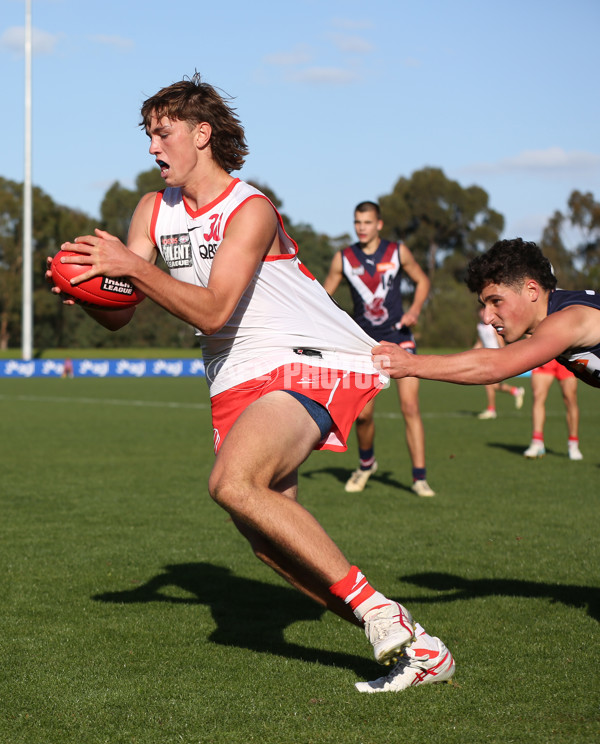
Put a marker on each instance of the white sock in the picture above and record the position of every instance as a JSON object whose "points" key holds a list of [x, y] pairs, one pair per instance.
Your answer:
{"points": [[377, 599]]}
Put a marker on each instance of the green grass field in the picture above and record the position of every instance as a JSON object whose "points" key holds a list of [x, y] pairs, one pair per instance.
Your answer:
{"points": [[133, 612]]}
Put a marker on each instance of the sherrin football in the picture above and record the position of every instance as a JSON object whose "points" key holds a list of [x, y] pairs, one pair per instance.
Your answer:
{"points": [[100, 291]]}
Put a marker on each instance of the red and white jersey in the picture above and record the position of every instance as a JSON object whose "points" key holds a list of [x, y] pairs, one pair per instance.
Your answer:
{"points": [[284, 316]]}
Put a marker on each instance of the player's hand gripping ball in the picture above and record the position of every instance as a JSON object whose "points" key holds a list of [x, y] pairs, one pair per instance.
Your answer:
{"points": [[100, 291]]}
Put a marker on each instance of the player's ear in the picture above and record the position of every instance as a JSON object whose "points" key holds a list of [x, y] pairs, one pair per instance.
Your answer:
{"points": [[379, 225], [533, 289], [202, 134]]}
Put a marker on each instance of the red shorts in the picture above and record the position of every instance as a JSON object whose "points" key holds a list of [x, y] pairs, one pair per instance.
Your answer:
{"points": [[344, 395], [553, 368]]}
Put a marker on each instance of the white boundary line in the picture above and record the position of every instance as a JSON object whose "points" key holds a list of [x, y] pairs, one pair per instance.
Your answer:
{"points": [[206, 406], [105, 401]]}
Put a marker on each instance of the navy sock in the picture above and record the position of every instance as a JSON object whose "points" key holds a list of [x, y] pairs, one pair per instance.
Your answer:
{"points": [[418, 474], [367, 458]]}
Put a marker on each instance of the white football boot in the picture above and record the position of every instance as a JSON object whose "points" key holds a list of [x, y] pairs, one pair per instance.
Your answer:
{"points": [[358, 479], [389, 629], [574, 451], [536, 449], [422, 488], [421, 663]]}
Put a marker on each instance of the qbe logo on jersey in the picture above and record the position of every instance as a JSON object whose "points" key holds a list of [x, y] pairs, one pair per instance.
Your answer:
{"points": [[176, 250]]}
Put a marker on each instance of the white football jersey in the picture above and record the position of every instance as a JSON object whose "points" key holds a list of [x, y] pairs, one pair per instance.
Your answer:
{"points": [[284, 316]]}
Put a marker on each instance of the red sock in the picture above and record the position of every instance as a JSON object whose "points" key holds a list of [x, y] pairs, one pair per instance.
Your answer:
{"points": [[354, 589]]}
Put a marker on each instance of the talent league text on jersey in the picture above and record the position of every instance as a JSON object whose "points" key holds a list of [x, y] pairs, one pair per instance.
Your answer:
{"points": [[584, 363]]}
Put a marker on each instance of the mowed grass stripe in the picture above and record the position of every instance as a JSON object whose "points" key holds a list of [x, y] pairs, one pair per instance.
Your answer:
{"points": [[105, 401]]}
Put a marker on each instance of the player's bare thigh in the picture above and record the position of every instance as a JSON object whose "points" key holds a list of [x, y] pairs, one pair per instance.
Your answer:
{"points": [[267, 443], [367, 413], [540, 385], [408, 394]]}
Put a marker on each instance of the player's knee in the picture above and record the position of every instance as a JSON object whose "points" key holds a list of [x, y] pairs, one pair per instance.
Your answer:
{"points": [[364, 419], [226, 491], [410, 409]]}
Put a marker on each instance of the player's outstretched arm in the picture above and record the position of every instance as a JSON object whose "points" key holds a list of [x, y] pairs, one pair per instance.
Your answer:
{"points": [[554, 335], [473, 367]]}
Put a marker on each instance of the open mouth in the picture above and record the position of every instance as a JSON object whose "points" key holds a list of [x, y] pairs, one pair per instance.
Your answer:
{"points": [[164, 167]]}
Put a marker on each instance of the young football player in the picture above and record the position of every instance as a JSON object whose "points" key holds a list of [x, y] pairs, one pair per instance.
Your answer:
{"points": [[517, 290], [288, 371]]}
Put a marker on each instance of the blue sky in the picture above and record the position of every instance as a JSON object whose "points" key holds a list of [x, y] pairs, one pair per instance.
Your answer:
{"points": [[339, 98]]}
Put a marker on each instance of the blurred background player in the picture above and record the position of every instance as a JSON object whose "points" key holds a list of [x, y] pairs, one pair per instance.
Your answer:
{"points": [[374, 270], [67, 368], [487, 338], [541, 381]]}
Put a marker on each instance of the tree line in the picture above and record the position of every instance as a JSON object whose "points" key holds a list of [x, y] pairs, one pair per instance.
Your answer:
{"points": [[443, 223]]}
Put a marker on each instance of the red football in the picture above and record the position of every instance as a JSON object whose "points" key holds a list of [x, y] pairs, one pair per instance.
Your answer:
{"points": [[100, 291]]}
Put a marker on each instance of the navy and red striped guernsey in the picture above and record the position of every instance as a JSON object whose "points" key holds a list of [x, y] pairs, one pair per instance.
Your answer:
{"points": [[376, 287]]}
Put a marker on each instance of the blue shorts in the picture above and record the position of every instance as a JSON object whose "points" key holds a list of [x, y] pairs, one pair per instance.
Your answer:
{"points": [[401, 336], [318, 413]]}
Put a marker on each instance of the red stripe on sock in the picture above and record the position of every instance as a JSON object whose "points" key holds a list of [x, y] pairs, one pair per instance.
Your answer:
{"points": [[354, 589]]}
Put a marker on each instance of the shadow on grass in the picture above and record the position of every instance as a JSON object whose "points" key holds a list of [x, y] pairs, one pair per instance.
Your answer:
{"points": [[383, 477], [519, 449], [514, 449], [574, 596], [248, 613]]}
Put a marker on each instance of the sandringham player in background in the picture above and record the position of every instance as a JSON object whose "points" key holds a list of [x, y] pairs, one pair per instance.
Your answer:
{"points": [[374, 269]]}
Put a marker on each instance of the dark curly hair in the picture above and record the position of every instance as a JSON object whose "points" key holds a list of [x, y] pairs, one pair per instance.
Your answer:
{"points": [[193, 101], [510, 262]]}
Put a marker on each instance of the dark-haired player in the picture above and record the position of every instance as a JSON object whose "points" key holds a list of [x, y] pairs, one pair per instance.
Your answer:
{"points": [[517, 290]]}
